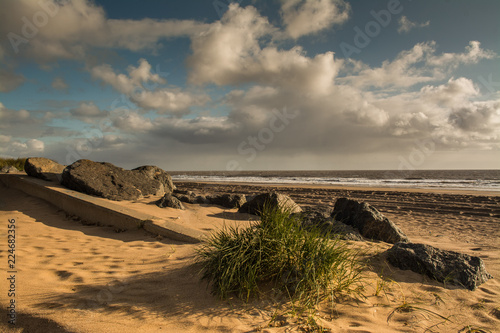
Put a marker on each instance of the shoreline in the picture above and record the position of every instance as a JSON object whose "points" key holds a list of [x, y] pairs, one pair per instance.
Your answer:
{"points": [[451, 191]]}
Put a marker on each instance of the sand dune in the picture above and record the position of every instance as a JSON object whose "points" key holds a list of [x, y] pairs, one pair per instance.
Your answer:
{"points": [[81, 278]]}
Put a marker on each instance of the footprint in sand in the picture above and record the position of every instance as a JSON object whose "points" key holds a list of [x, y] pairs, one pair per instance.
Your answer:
{"points": [[63, 275], [78, 279]]}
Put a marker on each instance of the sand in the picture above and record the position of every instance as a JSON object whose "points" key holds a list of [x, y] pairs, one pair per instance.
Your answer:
{"points": [[73, 277]]}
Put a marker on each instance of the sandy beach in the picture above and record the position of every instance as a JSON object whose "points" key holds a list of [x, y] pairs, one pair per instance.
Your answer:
{"points": [[73, 277]]}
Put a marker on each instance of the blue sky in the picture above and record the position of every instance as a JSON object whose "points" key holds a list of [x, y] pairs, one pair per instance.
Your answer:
{"points": [[252, 85]]}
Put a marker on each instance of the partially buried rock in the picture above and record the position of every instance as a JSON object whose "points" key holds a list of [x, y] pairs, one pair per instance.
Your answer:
{"points": [[168, 200], [273, 200], [369, 221], [320, 218], [9, 169], [111, 182], [228, 200], [43, 168], [444, 266]]}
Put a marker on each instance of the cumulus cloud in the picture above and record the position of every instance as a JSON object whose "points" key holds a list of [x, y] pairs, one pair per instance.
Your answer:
{"points": [[454, 92], [59, 84], [143, 87], [69, 29], [16, 148], [405, 25], [9, 116], [477, 117], [303, 17], [230, 53], [87, 110], [417, 65]]}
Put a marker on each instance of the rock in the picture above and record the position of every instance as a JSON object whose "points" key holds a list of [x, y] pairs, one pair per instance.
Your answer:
{"points": [[274, 199], [168, 200], [321, 218], [9, 169], [43, 168], [158, 174], [441, 265], [185, 198], [228, 200], [201, 199], [111, 182], [369, 221]]}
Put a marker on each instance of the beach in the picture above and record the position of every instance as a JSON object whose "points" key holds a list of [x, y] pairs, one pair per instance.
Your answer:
{"points": [[73, 277]]}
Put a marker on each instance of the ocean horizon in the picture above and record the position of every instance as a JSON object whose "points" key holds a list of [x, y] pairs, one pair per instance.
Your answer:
{"points": [[480, 180]]}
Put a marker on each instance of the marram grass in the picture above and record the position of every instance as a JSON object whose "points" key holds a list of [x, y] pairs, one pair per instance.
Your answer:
{"points": [[15, 162], [305, 264]]}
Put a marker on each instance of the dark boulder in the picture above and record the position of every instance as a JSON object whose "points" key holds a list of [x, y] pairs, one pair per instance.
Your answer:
{"points": [[444, 266], [168, 200], [228, 200], [274, 200], [369, 221], [191, 199], [317, 218], [154, 172], [111, 182], [43, 168]]}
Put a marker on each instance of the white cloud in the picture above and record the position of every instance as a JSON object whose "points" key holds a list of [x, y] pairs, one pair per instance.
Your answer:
{"points": [[473, 54], [454, 92], [482, 117], [59, 84], [303, 17], [410, 67], [230, 53], [9, 116], [405, 25], [87, 110], [142, 86], [35, 145], [69, 29], [5, 138], [17, 148]]}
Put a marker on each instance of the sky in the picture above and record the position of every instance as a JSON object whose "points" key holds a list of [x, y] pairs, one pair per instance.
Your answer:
{"points": [[252, 84]]}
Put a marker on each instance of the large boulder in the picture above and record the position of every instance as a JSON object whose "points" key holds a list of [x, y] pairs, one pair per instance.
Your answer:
{"points": [[228, 200], [369, 221], [274, 200], [111, 182], [154, 172], [168, 200], [444, 266], [318, 218], [43, 168]]}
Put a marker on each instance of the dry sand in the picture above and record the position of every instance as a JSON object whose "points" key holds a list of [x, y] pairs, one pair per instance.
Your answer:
{"points": [[73, 277]]}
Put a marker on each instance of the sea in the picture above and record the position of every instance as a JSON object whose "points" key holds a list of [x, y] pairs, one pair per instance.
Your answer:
{"points": [[476, 180]]}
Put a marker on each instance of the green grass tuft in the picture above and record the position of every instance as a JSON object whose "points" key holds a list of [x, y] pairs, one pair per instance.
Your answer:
{"points": [[15, 162], [305, 264]]}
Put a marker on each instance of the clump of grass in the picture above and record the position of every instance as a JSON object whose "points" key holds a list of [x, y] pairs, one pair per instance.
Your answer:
{"points": [[15, 162], [473, 329], [307, 265]]}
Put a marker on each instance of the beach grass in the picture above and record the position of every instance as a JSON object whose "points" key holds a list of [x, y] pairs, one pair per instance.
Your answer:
{"points": [[306, 265], [15, 162]]}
